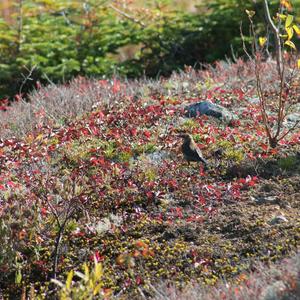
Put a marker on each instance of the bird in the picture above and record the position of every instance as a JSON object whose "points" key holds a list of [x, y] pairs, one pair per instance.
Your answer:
{"points": [[190, 150]]}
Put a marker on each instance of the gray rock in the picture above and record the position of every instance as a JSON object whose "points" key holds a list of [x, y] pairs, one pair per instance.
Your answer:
{"points": [[265, 200], [254, 100], [209, 109], [278, 219], [155, 158], [158, 157]]}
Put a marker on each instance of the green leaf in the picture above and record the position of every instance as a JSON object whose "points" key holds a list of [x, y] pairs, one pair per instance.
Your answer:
{"points": [[250, 13], [290, 32], [18, 278], [297, 29], [288, 21], [98, 270], [262, 40], [284, 36], [290, 44], [281, 16], [69, 279], [97, 289]]}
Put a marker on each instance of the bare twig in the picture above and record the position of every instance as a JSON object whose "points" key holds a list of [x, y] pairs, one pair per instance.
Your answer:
{"points": [[289, 130], [26, 78], [244, 44], [127, 16], [276, 32]]}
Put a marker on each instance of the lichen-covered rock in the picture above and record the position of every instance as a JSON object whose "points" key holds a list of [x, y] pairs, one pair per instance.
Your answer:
{"points": [[209, 109]]}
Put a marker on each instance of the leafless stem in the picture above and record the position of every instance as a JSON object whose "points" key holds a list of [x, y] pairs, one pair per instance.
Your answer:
{"points": [[26, 78], [244, 45], [288, 131], [276, 33]]}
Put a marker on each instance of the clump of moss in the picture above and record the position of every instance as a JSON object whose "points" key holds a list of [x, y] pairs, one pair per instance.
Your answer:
{"points": [[230, 152], [139, 149], [189, 124], [81, 149], [124, 156], [289, 163]]}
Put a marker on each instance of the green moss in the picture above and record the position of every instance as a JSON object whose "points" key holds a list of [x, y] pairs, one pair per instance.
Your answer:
{"points": [[139, 149], [124, 156], [230, 153], [288, 163], [234, 155], [189, 124], [81, 149], [150, 174]]}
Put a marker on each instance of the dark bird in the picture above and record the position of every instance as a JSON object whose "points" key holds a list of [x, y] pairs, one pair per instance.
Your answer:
{"points": [[190, 150]]}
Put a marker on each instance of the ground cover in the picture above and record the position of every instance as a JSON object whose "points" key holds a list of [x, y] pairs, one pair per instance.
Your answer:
{"points": [[93, 169]]}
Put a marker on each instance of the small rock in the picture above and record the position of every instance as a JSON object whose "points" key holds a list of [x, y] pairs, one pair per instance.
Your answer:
{"points": [[265, 200], [158, 157], [209, 109], [278, 219], [254, 100]]}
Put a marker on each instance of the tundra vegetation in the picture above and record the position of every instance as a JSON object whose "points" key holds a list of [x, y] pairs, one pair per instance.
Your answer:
{"points": [[96, 200]]}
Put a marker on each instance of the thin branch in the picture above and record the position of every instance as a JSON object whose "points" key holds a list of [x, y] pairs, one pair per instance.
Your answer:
{"points": [[26, 78], [244, 45], [127, 16], [289, 130], [277, 37], [281, 104]]}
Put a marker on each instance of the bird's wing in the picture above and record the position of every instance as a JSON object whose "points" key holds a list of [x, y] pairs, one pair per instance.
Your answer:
{"points": [[199, 152]]}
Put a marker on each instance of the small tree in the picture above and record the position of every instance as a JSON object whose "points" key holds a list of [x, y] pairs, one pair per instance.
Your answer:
{"points": [[283, 32]]}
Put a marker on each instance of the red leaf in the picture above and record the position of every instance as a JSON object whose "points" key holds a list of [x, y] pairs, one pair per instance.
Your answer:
{"points": [[147, 134], [44, 211], [97, 256], [150, 195], [138, 280], [201, 200], [133, 131], [264, 147]]}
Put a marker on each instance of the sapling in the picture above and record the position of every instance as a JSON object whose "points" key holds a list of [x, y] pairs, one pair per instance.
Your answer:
{"points": [[283, 33]]}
